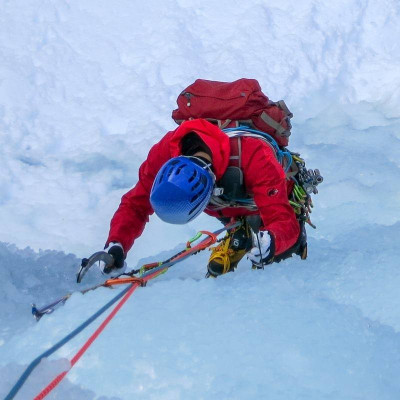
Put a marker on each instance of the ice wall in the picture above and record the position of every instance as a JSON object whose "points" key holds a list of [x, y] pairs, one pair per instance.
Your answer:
{"points": [[87, 87]]}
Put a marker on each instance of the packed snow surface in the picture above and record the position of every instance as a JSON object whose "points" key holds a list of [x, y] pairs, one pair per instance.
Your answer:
{"points": [[86, 88]]}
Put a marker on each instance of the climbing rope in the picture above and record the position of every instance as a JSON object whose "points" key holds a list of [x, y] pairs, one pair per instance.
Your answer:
{"points": [[284, 156], [61, 343], [146, 273]]}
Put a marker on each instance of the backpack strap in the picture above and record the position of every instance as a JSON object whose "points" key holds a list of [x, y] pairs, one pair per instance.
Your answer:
{"points": [[280, 129], [232, 181], [224, 124], [282, 105], [235, 159]]}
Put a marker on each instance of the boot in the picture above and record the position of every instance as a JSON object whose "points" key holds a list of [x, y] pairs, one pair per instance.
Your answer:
{"points": [[226, 256]]}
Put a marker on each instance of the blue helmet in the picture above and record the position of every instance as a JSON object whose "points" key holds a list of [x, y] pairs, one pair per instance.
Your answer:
{"points": [[182, 189]]}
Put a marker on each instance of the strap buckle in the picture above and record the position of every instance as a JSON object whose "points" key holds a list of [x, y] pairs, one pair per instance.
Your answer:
{"points": [[217, 191]]}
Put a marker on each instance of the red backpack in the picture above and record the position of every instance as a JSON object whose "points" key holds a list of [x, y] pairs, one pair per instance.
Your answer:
{"points": [[230, 104]]}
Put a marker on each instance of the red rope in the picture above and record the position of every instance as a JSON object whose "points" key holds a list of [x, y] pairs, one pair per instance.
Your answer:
{"points": [[135, 282], [92, 338]]}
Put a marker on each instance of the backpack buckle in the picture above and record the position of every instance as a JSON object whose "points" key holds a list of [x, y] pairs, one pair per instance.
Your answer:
{"points": [[218, 191]]}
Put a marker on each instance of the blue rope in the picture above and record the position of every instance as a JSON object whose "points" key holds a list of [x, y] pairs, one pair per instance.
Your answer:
{"points": [[280, 154], [61, 343], [15, 389]]}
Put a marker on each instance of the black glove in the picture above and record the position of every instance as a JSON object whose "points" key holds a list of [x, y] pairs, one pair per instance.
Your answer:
{"points": [[117, 251]]}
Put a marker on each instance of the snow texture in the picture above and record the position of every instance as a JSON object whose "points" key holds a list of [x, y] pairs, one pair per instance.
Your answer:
{"points": [[86, 88]]}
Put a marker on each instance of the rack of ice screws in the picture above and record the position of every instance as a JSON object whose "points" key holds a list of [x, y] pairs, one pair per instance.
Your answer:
{"points": [[310, 179], [306, 182]]}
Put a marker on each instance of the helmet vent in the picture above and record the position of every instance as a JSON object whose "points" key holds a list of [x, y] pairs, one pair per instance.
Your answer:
{"points": [[193, 210], [179, 169], [196, 185], [203, 180], [193, 176], [197, 195], [169, 173], [194, 198]]}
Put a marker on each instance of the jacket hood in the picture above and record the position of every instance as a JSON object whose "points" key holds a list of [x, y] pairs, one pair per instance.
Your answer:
{"points": [[216, 140]]}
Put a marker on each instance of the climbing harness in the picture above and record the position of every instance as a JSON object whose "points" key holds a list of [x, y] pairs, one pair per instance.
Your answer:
{"points": [[304, 181]]}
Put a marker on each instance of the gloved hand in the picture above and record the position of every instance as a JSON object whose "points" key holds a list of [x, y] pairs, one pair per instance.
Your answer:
{"points": [[117, 251], [261, 254]]}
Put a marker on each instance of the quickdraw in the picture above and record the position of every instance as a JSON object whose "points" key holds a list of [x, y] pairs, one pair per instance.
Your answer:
{"points": [[305, 183]]}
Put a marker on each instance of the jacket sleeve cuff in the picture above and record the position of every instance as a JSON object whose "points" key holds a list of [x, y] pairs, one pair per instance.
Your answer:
{"points": [[111, 243]]}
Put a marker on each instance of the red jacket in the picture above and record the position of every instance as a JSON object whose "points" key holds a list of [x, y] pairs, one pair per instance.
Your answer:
{"points": [[263, 176]]}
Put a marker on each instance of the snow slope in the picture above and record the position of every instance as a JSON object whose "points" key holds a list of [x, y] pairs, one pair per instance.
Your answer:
{"points": [[86, 88]]}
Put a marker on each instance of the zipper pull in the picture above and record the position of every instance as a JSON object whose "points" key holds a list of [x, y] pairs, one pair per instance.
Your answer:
{"points": [[188, 96]]}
